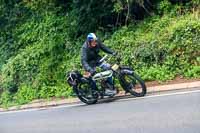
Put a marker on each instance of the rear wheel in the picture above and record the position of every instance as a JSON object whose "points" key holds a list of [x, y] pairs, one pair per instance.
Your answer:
{"points": [[133, 84], [85, 93]]}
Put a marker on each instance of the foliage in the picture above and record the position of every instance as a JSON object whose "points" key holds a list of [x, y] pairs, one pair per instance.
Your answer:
{"points": [[57, 91], [161, 48], [5, 99], [25, 95], [40, 49]]}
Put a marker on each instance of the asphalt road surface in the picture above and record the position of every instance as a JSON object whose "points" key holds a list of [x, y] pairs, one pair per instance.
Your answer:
{"points": [[176, 113]]}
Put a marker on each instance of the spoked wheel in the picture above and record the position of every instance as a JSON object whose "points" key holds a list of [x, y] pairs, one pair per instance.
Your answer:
{"points": [[85, 94], [134, 84]]}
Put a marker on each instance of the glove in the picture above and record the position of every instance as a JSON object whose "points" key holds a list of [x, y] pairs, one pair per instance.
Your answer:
{"points": [[92, 72]]}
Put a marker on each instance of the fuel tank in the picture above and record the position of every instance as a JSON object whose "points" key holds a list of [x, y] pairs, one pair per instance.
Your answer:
{"points": [[103, 75]]}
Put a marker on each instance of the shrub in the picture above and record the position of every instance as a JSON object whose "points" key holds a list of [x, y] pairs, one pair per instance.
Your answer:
{"points": [[161, 48], [25, 94]]}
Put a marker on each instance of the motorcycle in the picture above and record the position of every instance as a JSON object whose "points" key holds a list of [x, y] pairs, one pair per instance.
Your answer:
{"points": [[127, 78]]}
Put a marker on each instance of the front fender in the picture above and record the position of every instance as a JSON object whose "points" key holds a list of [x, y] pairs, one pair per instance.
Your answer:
{"points": [[126, 70]]}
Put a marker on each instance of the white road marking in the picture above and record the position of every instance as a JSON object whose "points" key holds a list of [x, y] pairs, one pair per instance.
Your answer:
{"points": [[161, 95], [75, 105], [42, 108], [26, 110]]}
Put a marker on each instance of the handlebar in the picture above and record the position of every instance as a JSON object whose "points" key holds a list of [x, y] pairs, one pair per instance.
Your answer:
{"points": [[102, 59], [105, 57]]}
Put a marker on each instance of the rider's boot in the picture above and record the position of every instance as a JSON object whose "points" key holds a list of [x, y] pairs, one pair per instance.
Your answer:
{"points": [[110, 90]]}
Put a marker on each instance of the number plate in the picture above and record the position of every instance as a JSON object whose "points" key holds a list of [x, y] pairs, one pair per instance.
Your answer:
{"points": [[115, 67]]}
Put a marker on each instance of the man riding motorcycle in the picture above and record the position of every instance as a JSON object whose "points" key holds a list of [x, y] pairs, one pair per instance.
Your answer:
{"points": [[90, 60]]}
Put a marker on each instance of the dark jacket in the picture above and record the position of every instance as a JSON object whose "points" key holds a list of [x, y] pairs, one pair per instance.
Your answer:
{"points": [[90, 56]]}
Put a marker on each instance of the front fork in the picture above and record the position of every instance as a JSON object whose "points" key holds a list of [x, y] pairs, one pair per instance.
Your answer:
{"points": [[124, 71]]}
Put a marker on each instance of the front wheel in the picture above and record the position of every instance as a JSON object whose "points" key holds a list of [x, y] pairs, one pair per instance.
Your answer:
{"points": [[133, 84]]}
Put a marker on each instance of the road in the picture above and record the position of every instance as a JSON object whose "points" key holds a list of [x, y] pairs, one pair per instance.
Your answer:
{"points": [[171, 113]]}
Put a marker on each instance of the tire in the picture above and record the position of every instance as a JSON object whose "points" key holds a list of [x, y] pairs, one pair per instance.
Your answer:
{"points": [[131, 83], [82, 91]]}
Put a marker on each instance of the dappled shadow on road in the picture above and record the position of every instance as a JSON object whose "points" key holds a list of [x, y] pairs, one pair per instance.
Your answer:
{"points": [[112, 99], [109, 100]]}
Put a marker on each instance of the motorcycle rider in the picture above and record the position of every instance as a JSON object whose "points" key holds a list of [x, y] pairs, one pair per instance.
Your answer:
{"points": [[90, 59]]}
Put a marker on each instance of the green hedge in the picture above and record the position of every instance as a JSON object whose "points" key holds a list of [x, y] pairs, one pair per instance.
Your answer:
{"points": [[161, 48]]}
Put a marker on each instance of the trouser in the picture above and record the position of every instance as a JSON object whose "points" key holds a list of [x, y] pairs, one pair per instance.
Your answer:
{"points": [[104, 66]]}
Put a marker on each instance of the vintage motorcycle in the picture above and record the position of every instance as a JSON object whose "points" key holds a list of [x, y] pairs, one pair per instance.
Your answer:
{"points": [[127, 78]]}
